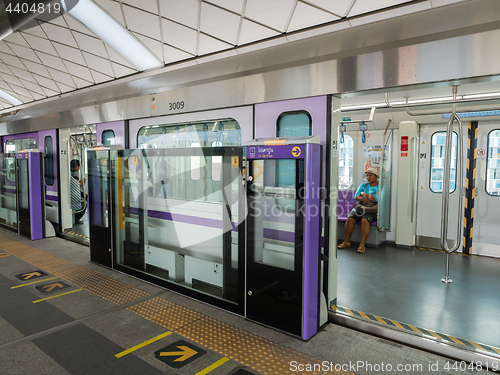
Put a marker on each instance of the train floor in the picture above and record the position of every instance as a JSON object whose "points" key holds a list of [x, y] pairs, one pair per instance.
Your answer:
{"points": [[60, 314], [404, 286], [80, 230]]}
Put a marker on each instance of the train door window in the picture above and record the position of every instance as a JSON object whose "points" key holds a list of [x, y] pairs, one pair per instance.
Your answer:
{"points": [[294, 124], [493, 166], [49, 161], [290, 124], [346, 152], [438, 149], [108, 137]]}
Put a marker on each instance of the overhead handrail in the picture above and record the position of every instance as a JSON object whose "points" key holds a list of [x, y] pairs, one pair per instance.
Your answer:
{"points": [[428, 102], [382, 173], [446, 187]]}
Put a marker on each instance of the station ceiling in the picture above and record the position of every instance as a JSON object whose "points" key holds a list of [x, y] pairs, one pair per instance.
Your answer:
{"points": [[57, 55]]}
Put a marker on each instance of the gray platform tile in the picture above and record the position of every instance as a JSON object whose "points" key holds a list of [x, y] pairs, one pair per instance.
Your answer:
{"points": [[8, 333], [125, 328], [27, 358], [80, 350], [81, 304], [371, 350], [12, 265], [328, 343], [18, 309]]}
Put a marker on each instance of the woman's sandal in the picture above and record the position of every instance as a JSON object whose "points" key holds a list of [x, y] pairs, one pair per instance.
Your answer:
{"points": [[361, 249], [344, 245]]}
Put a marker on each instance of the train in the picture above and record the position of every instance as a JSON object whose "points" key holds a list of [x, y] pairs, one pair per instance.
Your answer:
{"points": [[364, 115]]}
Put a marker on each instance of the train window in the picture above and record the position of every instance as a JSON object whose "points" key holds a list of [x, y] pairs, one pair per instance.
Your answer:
{"points": [[195, 164], [290, 124], [346, 152], [221, 132], [10, 146], [108, 137], [294, 124], [438, 148], [49, 161], [15, 145], [493, 166], [10, 168]]}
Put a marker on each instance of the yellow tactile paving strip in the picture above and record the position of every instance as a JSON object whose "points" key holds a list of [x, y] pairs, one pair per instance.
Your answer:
{"points": [[207, 331], [251, 350], [102, 286], [174, 317]]}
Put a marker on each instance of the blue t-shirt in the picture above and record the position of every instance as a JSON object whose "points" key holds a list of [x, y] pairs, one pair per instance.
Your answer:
{"points": [[368, 190]]}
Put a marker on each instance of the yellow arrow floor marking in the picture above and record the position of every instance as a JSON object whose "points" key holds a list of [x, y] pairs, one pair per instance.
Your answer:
{"points": [[4, 255], [34, 282], [59, 295], [51, 287], [125, 352], [213, 366], [31, 274], [186, 353]]}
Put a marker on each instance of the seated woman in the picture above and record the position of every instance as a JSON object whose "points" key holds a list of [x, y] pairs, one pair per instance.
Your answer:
{"points": [[367, 192], [77, 198]]}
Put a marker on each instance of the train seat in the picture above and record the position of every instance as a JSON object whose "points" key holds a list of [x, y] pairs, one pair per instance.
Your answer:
{"points": [[346, 203]]}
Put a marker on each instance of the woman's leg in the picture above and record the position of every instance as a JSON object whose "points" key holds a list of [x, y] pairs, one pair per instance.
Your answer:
{"points": [[365, 231], [349, 228]]}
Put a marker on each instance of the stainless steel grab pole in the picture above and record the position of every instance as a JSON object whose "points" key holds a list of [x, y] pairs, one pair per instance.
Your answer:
{"points": [[381, 175], [446, 187]]}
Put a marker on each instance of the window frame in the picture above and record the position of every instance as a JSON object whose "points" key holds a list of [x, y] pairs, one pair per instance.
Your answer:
{"points": [[430, 163], [352, 175], [50, 159], [487, 162], [105, 132], [289, 113]]}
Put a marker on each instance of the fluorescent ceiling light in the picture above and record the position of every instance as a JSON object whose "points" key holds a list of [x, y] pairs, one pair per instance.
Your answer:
{"points": [[101, 24], [418, 101], [10, 98]]}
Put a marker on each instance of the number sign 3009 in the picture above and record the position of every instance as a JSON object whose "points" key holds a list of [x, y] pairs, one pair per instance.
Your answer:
{"points": [[175, 105]]}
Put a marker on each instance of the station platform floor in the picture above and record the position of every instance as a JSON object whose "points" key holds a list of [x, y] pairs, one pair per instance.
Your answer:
{"points": [[61, 314]]}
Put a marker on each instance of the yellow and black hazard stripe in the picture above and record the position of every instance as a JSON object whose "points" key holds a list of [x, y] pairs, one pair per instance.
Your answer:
{"points": [[470, 188], [76, 234], [467, 255], [420, 331]]}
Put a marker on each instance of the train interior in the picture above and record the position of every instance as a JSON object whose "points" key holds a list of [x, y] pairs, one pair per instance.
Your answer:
{"points": [[74, 212], [403, 284]]}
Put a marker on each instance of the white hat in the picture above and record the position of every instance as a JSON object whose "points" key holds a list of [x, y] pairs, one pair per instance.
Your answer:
{"points": [[372, 170]]}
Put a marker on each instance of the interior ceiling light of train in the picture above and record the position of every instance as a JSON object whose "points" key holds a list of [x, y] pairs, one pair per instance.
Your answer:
{"points": [[62, 51], [485, 105]]}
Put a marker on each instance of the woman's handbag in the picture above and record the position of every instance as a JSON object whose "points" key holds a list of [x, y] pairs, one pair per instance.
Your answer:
{"points": [[366, 207]]}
